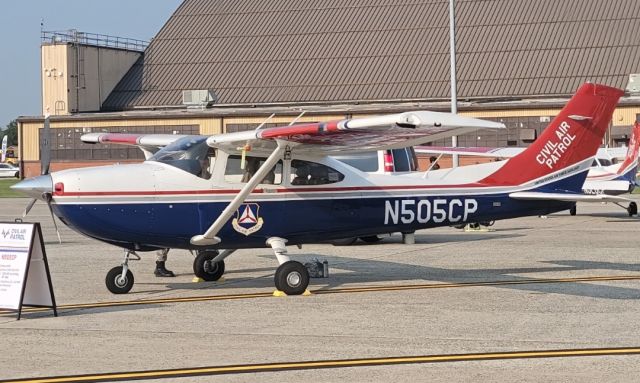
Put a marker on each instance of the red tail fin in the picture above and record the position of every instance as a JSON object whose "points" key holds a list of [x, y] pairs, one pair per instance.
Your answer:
{"points": [[632, 152], [573, 136]]}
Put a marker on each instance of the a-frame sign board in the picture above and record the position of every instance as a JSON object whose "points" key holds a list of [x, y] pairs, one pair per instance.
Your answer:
{"points": [[24, 272]]}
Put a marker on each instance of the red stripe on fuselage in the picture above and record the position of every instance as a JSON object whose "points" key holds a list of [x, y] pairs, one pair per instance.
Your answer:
{"points": [[268, 191]]}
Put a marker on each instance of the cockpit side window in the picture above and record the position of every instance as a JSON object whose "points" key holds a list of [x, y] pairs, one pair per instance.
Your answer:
{"points": [[311, 173], [206, 164], [235, 173], [190, 154]]}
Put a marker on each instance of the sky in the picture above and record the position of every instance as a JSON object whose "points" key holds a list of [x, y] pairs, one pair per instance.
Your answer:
{"points": [[20, 25]]}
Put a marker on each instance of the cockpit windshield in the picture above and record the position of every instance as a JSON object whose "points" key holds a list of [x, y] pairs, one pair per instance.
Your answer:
{"points": [[191, 154]]}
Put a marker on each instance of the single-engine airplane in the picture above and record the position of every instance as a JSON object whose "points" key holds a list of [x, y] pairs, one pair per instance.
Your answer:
{"points": [[274, 187], [602, 180]]}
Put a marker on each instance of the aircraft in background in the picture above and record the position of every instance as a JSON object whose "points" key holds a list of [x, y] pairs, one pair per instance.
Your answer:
{"points": [[604, 178], [274, 187]]}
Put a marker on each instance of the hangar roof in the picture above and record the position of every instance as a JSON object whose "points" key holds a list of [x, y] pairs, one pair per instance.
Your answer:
{"points": [[256, 52]]}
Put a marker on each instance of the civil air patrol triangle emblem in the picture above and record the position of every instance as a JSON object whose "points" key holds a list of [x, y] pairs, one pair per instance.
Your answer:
{"points": [[247, 220]]}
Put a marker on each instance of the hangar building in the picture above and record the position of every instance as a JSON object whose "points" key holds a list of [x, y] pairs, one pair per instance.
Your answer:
{"points": [[223, 66]]}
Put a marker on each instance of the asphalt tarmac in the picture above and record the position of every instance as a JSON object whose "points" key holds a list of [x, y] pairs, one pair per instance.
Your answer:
{"points": [[555, 299]]}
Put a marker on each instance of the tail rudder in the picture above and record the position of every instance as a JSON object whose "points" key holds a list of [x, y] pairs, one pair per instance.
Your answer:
{"points": [[631, 159], [572, 137]]}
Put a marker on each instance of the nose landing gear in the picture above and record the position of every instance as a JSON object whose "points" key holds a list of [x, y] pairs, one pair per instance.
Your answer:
{"points": [[120, 280]]}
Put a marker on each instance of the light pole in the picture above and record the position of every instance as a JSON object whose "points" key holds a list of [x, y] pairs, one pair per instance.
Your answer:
{"points": [[452, 55]]}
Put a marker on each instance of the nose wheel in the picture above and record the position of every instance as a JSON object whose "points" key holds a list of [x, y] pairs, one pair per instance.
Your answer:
{"points": [[117, 283], [119, 280]]}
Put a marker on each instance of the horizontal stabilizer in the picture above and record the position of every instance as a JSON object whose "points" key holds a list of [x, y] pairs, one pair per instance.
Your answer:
{"points": [[567, 197]]}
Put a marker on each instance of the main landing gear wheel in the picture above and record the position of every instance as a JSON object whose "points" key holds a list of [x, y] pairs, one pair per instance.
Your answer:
{"points": [[371, 239], [344, 242], [632, 209], [205, 269], [292, 278], [116, 284], [573, 210]]}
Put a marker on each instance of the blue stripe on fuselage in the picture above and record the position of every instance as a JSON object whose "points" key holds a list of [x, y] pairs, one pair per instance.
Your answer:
{"points": [[299, 221]]}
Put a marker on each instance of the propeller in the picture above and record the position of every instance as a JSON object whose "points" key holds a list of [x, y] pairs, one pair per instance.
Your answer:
{"points": [[47, 198], [45, 161]]}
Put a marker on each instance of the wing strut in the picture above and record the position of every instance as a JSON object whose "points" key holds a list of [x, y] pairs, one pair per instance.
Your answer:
{"points": [[209, 236]]}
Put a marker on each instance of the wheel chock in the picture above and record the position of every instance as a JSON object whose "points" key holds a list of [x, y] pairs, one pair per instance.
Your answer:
{"points": [[279, 293], [477, 229], [198, 280]]}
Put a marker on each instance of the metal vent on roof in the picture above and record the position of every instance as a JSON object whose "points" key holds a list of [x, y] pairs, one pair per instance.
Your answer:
{"points": [[199, 97], [633, 86]]}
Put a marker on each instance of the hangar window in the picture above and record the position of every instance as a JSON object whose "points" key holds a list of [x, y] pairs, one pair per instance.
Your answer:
{"points": [[311, 173], [236, 173]]}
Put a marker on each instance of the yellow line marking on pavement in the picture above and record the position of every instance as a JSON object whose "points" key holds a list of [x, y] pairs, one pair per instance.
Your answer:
{"points": [[340, 363], [346, 290]]}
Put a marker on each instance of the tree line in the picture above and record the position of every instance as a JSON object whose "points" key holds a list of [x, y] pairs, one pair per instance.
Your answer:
{"points": [[10, 130]]}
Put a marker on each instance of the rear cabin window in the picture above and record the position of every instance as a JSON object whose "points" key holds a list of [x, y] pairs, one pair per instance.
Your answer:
{"points": [[366, 162], [234, 173], [401, 160], [603, 162], [311, 173]]}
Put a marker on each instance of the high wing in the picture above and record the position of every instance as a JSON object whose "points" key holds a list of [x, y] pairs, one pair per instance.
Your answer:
{"points": [[481, 151], [356, 135], [148, 143], [568, 197], [325, 138]]}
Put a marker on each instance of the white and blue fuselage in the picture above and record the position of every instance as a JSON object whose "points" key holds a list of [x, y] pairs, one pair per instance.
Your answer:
{"points": [[156, 205]]}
